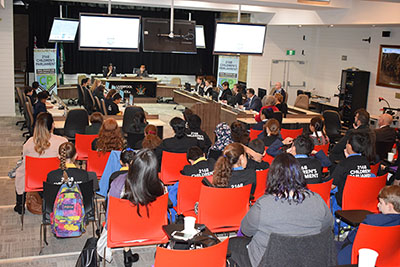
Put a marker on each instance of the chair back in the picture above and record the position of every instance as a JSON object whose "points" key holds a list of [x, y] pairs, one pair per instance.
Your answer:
{"points": [[261, 185], [222, 209], [268, 158], [126, 228], [50, 192], [19, 98], [133, 139], [254, 134], [129, 113], [36, 170], [375, 168], [103, 107], [188, 194], [88, 199], [291, 133], [176, 81], [333, 124], [76, 122], [81, 95], [382, 239], [214, 256], [278, 116], [28, 114], [324, 148], [97, 162], [171, 166], [83, 144], [302, 101], [362, 193], [98, 105], [322, 189], [383, 148]]}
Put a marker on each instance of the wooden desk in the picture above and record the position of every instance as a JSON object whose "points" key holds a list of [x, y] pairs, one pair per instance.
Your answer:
{"points": [[139, 87], [296, 110], [287, 123], [68, 91]]}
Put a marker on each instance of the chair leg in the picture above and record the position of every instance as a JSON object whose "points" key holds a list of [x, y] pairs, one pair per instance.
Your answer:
{"points": [[93, 228], [41, 238], [104, 258], [45, 234], [339, 230], [23, 213]]}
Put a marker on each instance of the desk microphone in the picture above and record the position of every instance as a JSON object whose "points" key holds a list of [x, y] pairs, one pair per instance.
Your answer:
{"points": [[389, 108]]}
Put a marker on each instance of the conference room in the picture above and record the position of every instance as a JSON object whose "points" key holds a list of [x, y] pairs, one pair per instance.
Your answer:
{"points": [[226, 76]]}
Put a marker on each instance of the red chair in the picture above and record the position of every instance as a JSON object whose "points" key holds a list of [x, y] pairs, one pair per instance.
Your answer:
{"points": [[127, 229], [188, 194], [254, 134], [323, 189], [291, 133], [171, 166], [222, 209], [261, 184], [324, 148], [375, 168], [36, 170], [97, 162], [382, 239], [214, 256], [268, 158], [83, 144]]}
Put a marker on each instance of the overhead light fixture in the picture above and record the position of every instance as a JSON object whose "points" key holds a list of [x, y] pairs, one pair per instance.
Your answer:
{"points": [[315, 2]]}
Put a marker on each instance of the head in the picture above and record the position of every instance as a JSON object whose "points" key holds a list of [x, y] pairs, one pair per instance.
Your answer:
{"points": [[389, 200], [361, 117], [286, 180], [278, 85], [239, 133], [250, 92], [66, 153], [142, 185], [110, 67], [199, 79], [117, 98], [236, 88], [142, 68], [208, 82], [187, 113], [138, 120], [193, 154], [257, 146], [268, 100], [150, 129], [111, 93], [266, 114], [96, 118], [222, 135], [179, 126], [225, 85], [85, 81], [232, 156], [302, 145], [151, 141], [95, 84], [35, 85], [385, 120], [279, 98], [41, 135], [28, 90], [42, 96], [272, 127], [110, 137], [194, 122], [360, 143], [317, 124], [126, 156]]}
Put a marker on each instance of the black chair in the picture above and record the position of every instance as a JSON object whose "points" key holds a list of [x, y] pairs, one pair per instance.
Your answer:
{"points": [[278, 116], [383, 148], [29, 120], [133, 139], [81, 96], [103, 107], [18, 93], [311, 250], [333, 125], [98, 105], [128, 117], [76, 122]]}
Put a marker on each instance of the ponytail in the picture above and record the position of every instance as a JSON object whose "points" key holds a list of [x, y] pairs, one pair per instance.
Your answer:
{"points": [[223, 166], [66, 151]]}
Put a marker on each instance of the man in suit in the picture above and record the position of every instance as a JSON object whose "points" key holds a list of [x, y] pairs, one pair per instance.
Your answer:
{"points": [[253, 102], [385, 135], [278, 89], [142, 72]]}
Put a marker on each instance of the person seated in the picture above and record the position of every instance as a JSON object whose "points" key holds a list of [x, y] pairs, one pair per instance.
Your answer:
{"points": [[256, 162], [68, 171], [237, 96], [141, 72], [271, 132], [109, 97], [239, 133], [40, 105], [253, 102], [265, 115], [96, 120], [278, 89], [194, 130], [99, 92], [208, 87], [29, 93], [385, 135], [268, 102], [35, 87], [226, 92], [125, 159], [230, 169], [389, 208], [282, 106], [199, 165], [311, 165], [279, 146], [110, 137], [135, 129], [110, 71], [113, 109], [287, 207], [96, 83], [222, 139], [151, 140], [200, 84], [317, 129]]}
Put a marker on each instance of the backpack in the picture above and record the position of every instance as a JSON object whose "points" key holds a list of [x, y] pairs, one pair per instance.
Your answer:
{"points": [[67, 218]]}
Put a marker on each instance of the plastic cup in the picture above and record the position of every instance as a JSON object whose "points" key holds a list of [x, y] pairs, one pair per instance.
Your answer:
{"points": [[367, 257], [390, 156], [189, 223]]}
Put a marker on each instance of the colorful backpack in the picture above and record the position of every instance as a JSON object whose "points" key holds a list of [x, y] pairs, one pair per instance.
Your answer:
{"points": [[67, 218]]}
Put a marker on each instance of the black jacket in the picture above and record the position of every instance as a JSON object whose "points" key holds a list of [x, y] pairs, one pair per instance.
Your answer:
{"points": [[225, 93], [112, 109], [202, 138], [80, 176], [200, 169], [244, 177], [312, 170]]}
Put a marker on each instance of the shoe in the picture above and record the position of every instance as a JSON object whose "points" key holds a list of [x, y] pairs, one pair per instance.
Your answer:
{"points": [[130, 258], [18, 208]]}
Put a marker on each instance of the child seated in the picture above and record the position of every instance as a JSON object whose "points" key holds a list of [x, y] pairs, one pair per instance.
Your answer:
{"points": [[389, 206], [124, 159], [265, 114], [254, 162], [199, 165], [271, 132]]}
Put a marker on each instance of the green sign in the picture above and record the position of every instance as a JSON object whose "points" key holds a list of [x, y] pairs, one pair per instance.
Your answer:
{"points": [[290, 52]]}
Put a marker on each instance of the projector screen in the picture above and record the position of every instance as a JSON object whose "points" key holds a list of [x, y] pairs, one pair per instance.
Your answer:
{"points": [[239, 38], [109, 32], [63, 30], [200, 39]]}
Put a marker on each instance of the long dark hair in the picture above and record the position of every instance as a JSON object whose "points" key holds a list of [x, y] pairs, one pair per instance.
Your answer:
{"points": [[286, 180], [138, 120], [223, 166], [142, 185], [318, 123], [179, 126], [239, 133], [361, 143]]}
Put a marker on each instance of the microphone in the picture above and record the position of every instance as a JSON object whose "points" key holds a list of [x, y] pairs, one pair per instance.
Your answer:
{"points": [[384, 109]]}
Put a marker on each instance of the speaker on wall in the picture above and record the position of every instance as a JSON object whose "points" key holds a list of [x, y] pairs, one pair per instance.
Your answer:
{"points": [[385, 33]]}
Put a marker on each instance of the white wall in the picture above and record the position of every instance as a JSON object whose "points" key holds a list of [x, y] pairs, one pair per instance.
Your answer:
{"points": [[7, 106]]}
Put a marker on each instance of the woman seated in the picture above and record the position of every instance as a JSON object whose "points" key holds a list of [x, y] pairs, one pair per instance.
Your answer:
{"points": [[151, 140], [317, 129], [226, 92], [208, 87], [96, 83], [271, 132], [282, 106], [239, 133], [238, 93], [68, 172], [43, 144], [99, 91], [96, 120], [268, 102], [110, 137], [287, 207], [222, 139], [230, 169]]}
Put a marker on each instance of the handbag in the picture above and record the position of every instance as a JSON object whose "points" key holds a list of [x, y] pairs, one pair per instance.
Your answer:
{"points": [[88, 256], [34, 202]]}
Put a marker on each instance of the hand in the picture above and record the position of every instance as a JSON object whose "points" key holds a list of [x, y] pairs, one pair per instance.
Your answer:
{"points": [[287, 141], [355, 126], [314, 152]]}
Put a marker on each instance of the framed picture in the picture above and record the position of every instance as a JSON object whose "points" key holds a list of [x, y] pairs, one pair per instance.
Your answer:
{"points": [[389, 66]]}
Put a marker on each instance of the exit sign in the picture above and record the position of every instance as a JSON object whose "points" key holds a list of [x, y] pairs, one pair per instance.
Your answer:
{"points": [[290, 52]]}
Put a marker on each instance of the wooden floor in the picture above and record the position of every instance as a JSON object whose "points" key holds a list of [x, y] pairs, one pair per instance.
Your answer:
{"points": [[21, 248]]}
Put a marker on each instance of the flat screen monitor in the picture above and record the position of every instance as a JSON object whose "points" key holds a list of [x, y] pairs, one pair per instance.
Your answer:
{"points": [[200, 39], [157, 36], [109, 32], [63, 30], [239, 38]]}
